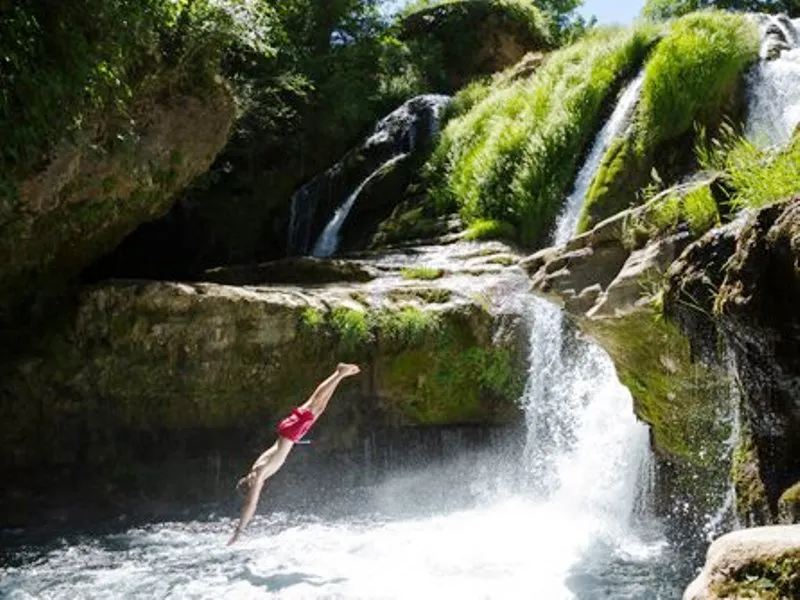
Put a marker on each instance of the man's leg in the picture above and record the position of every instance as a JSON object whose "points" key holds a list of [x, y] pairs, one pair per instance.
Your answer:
{"points": [[318, 401]]}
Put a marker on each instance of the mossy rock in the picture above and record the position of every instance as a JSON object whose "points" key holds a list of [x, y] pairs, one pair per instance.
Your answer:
{"points": [[681, 400], [773, 578], [752, 506], [154, 361], [300, 270], [789, 505], [88, 197]]}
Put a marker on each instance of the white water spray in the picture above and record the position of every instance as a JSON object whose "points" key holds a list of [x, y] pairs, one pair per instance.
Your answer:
{"points": [[774, 84]]}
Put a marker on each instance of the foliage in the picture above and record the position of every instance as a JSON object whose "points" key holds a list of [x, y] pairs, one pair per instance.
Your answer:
{"points": [[665, 214], [756, 176], [564, 23], [691, 69], [513, 156], [69, 65], [356, 331], [427, 273], [668, 9]]}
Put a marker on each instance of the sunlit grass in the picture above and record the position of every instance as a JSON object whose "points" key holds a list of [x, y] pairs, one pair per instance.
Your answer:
{"points": [[694, 75], [692, 70], [756, 176], [487, 229], [513, 156]]}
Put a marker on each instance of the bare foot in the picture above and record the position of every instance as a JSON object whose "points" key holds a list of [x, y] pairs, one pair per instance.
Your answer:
{"points": [[346, 370]]}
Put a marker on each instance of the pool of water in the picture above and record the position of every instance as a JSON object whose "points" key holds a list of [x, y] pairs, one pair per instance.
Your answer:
{"points": [[510, 546]]}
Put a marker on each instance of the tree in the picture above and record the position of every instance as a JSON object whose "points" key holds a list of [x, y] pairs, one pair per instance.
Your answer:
{"points": [[666, 9]]}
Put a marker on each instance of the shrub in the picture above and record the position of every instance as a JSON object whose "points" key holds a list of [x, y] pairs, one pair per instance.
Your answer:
{"points": [[487, 229]]}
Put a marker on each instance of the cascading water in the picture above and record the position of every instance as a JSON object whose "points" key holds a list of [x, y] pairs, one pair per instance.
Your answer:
{"points": [[398, 134], [585, 448], [774, 84], [555, 525], [329, 238]]}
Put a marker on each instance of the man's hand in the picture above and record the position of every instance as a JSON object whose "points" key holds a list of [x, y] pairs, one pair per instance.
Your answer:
{"points": [[347, 370]]}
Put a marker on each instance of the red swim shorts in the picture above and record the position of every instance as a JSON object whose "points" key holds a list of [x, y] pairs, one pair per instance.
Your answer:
{"points": [[297, 424]]}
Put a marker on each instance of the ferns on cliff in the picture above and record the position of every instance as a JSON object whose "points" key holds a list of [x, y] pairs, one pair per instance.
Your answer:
{"points": [[513, 156]]}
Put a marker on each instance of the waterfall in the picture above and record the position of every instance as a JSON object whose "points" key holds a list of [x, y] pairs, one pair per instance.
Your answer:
{"points": [[400, 133], [329, 238], [773, 84], [585, 450], [615, 125]]}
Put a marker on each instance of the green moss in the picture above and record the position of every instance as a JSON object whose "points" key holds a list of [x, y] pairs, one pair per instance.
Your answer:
{"points": [[419, 222], [426, 273], [775, 578], [680, 400], [513, 156], [693, 75], [489, 229], [312, 318], [352, 328], [453, 382], [752, 506]]}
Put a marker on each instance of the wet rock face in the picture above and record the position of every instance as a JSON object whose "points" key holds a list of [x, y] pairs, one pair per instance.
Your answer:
{"points": [[761, 562], [86, 199], [757, 307], [400, 135], [738, 288]]}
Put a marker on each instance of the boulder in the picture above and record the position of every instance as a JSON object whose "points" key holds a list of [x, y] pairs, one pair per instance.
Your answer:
{"points": [[762, 562], [142, 372], [304, 269], [89, 196]]}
